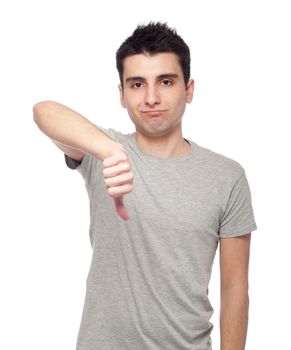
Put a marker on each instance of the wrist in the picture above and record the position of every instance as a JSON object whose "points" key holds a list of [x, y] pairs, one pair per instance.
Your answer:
{"points": [[108, 149]]}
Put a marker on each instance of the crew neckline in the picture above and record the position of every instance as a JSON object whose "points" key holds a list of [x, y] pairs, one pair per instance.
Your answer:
{"points": [[152, 157]]}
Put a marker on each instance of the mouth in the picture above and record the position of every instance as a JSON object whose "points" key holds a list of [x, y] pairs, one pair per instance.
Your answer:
{"points": [[153, 112]]}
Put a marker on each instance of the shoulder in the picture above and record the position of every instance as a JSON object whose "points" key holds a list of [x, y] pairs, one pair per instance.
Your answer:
{"points": [[218, 165]]}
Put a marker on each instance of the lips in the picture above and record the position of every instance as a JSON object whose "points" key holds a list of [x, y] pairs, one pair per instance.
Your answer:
{"points": [[154, 112]]}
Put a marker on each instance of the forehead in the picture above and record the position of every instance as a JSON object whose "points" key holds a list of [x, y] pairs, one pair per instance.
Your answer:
{"points": [[148, 66]]}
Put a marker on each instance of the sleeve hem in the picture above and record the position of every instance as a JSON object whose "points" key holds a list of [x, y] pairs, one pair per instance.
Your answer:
{"points": [[72, 163], [239, 232]]}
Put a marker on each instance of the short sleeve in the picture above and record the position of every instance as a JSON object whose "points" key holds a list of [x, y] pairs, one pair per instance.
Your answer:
{"points": [[238, 217], [72, 163], [84, 167]]}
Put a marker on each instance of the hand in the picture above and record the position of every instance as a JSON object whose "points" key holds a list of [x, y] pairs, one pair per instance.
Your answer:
{"points": [[118, 179]]}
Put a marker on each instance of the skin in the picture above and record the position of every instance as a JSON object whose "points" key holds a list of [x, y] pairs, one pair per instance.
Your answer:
{"points": [[234, 263], [155, 102], [118, 179], [155, 96]]}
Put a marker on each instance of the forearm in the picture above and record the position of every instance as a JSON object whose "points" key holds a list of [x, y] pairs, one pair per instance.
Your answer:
{"points": [[234, 318], [68, 127]]}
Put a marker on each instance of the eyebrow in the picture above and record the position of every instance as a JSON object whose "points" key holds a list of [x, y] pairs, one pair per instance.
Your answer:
{"points": [[162, 76]]}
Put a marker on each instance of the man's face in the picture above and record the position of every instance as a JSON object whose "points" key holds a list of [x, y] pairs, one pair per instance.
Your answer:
{"points": [[154, 93]]}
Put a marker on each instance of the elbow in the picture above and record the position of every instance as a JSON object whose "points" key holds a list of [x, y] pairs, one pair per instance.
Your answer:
{"points": [[40, 110]]}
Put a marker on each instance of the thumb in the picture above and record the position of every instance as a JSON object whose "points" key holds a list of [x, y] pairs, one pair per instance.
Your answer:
{"points": [[120, 208]]}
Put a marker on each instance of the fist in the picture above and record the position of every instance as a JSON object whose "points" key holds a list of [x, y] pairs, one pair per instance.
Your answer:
{"points": [[118, 179]]}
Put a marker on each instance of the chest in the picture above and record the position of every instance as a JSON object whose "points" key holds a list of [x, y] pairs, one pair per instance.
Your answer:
{"points": [[182, 199]]}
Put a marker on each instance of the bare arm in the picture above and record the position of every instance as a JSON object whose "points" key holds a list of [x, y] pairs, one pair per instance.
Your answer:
{"points": [[72, 132], [76, 135], [234, 261]]}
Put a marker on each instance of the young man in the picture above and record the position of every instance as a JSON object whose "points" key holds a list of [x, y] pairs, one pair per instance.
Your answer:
{"points": [[160, 204]]}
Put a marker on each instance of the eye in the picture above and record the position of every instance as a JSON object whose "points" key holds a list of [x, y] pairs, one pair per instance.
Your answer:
{"points": [[136, 85], [167, 82]]}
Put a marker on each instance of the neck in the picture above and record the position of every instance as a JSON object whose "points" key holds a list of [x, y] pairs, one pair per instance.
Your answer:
{"points": [[166, 146]]}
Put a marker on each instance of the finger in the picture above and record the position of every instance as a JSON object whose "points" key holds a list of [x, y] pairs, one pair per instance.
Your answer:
{"points": [[116, 170], [120, 208], [119, 191], [119, 180]]}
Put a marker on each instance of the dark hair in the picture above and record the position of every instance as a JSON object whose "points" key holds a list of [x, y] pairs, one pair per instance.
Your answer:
{"points": [[151, 39]]}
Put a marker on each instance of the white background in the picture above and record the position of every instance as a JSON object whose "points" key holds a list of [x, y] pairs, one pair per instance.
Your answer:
{"points": [[65, 51]]}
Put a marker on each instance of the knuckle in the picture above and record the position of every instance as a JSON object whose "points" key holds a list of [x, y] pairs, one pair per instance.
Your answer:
{"points": [[111, 191], [116, 192], [129, 188], [126, 166], [128, 179]]}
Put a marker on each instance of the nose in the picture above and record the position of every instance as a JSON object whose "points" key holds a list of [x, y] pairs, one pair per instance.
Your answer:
{"points": [[152, 96]]}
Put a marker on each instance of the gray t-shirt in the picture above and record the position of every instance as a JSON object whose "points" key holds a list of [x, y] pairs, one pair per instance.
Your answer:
{"points": [[147, 287]]}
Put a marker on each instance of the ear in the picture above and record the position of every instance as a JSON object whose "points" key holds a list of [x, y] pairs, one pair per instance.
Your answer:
{"points": [[122, 99], [190, 90]]}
